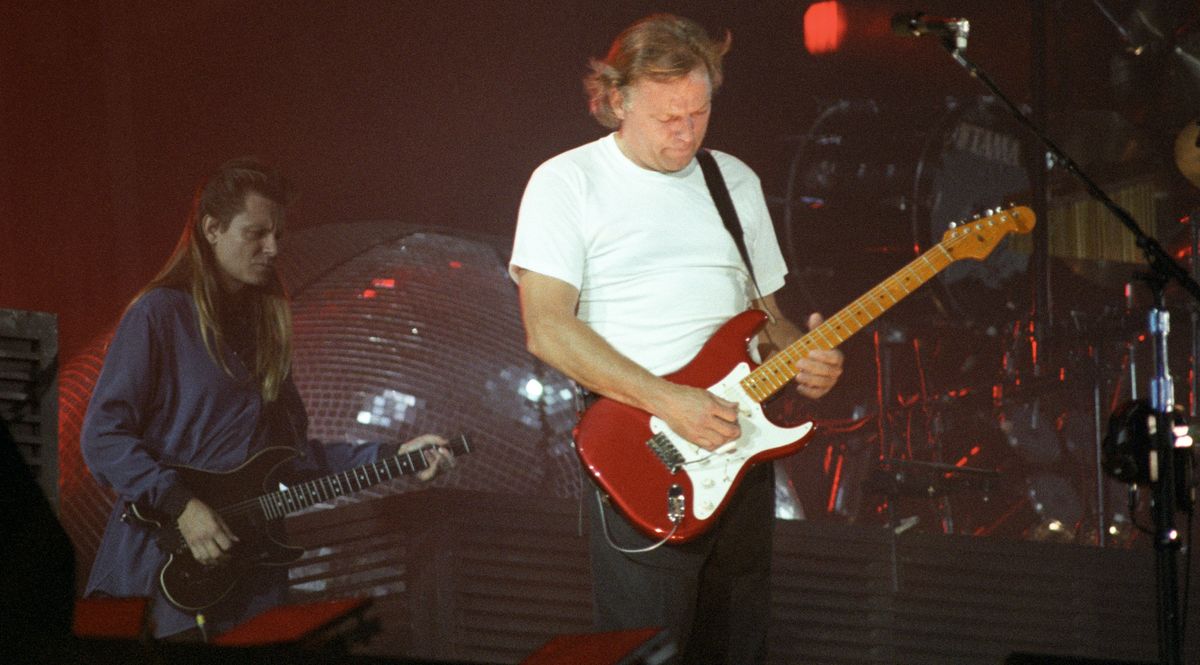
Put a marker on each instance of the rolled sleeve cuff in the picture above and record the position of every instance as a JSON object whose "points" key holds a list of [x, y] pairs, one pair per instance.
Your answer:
{"points": [[174, 500]]}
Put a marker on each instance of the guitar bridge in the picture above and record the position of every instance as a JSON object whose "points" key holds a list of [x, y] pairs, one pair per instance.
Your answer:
{"points": [[665, 451]]}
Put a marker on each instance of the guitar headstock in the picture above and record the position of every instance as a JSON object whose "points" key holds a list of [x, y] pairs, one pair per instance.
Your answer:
{"points": [[975, 239]]}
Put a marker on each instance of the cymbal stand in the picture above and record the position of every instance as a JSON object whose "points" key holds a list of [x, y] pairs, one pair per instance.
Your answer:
{"points": [[1131, 346], [1166, 538], [931, 424], [1163, 268], [1194, 387], [1097, 444], [883, 394]]}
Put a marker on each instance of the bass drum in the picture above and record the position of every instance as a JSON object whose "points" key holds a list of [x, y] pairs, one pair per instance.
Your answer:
{"points": [[1022, 503], [848, 183], [865, 180], [975, 160]]}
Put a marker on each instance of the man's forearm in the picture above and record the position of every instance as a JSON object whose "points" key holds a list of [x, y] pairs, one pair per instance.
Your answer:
{"points": [[574, 349]]}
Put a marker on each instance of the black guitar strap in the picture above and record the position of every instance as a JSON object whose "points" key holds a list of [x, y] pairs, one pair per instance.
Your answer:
{"points": [[720, 196]]}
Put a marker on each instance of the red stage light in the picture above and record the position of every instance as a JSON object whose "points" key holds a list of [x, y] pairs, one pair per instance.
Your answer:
{"points": [[383, 283], [456, 264], [824, 27], [368, 293]]}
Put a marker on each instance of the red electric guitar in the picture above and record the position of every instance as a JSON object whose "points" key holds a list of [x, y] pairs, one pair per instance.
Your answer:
{"points": [[672, 489]]}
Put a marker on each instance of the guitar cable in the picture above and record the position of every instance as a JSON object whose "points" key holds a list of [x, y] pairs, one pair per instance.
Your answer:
{"points": [[631, 550], [200, 625]]}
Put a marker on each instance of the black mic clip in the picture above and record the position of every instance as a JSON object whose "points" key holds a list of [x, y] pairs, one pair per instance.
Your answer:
{"points": [[954, 31]]}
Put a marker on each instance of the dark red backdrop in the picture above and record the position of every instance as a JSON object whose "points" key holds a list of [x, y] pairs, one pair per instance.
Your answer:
{"points": [[427, 112]]}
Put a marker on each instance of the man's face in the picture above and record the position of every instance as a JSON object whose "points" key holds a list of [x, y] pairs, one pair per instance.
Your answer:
{"points": [[245, 250], [663, 122]]}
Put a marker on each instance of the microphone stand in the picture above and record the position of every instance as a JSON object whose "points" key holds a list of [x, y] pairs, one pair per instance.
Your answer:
{"points": [[1163, 269]]}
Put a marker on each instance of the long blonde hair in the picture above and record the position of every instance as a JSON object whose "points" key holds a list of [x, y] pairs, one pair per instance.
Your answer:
{"points": [[192, 268]]}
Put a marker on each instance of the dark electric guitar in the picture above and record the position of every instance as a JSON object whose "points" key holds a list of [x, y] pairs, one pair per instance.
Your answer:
{"points": [[671, 489], [256, 519]]}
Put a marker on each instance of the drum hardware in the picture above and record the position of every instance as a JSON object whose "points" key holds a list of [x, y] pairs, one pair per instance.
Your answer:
{"points": [[1036, 433], [901, 477], [895, 478], [1052, 423], [913, 426], [1030, 430]]}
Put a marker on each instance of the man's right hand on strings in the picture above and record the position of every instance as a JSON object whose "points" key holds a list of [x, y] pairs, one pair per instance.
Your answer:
{"points": [[699, 416]]}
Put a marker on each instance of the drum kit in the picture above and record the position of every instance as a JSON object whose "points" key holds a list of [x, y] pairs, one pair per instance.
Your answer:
{"points": [[1012, 454], [990, 417]]}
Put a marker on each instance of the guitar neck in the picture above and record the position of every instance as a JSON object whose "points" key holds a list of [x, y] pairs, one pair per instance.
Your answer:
{"points": [[276, 505], [772, 375]]}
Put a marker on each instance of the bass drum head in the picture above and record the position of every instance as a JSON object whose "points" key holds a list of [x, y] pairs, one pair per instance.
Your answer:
{"points": [[855, 158], [973, 161], [848, 185], [870, 187]]}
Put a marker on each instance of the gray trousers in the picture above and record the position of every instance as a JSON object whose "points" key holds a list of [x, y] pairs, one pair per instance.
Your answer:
{"points": [[712, 594]]}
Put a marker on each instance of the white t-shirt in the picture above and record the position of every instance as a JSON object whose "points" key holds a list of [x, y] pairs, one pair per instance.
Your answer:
{"points": [[657, 271]]}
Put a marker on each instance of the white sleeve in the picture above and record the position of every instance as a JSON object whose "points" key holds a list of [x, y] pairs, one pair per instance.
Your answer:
{"points": [[769, 266], [549, 237], [770, 269]]}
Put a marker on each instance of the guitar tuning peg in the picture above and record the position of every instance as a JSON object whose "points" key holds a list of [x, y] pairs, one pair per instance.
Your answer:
{"points": [[953, 225], [989, 212]]}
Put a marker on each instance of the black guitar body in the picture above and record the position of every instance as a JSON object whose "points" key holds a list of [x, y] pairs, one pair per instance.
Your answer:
{"points": [[192, 586], [254, 508]]}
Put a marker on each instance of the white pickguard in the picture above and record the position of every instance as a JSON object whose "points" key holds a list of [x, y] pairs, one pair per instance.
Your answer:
{"points": [[712, 473]]}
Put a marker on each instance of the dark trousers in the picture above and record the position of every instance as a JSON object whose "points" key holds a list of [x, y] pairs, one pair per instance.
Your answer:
{"points": [[712, 594]]}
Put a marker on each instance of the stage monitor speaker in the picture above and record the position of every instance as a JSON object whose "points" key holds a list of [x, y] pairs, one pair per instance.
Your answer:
{"points": [[29, 392], [111, 618], [644, 646], [1046, 659], [336, 623]]}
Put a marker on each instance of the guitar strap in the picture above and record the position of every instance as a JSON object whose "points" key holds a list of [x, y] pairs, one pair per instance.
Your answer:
{"points": [[720, 196]]}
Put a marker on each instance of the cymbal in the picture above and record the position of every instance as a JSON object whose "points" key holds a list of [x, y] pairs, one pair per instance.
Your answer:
{"points": [[1187, 153]]}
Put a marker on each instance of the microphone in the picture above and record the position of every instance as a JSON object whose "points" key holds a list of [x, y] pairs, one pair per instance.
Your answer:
{"points": [[916, 24]]}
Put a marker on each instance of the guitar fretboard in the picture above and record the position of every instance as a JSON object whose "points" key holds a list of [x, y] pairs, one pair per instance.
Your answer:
{"points": [[276, 505], [983, 234]]}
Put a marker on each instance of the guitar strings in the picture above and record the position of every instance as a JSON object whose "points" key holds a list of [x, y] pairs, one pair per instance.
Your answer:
{"points": [[298, 496]]}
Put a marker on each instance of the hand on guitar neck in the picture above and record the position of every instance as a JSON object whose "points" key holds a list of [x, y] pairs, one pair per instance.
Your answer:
{"points": [[436, 452], [816, 372]]}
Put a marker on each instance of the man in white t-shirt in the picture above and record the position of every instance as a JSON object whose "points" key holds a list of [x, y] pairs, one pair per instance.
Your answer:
{"points": [[625, 270]]}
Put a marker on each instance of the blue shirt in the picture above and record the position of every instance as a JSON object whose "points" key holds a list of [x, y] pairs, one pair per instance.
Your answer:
{"points": [[161, 399]]}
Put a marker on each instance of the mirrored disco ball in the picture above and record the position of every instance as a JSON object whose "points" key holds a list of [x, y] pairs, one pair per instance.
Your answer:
{"points": [[84, 504], [401, 330]]}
